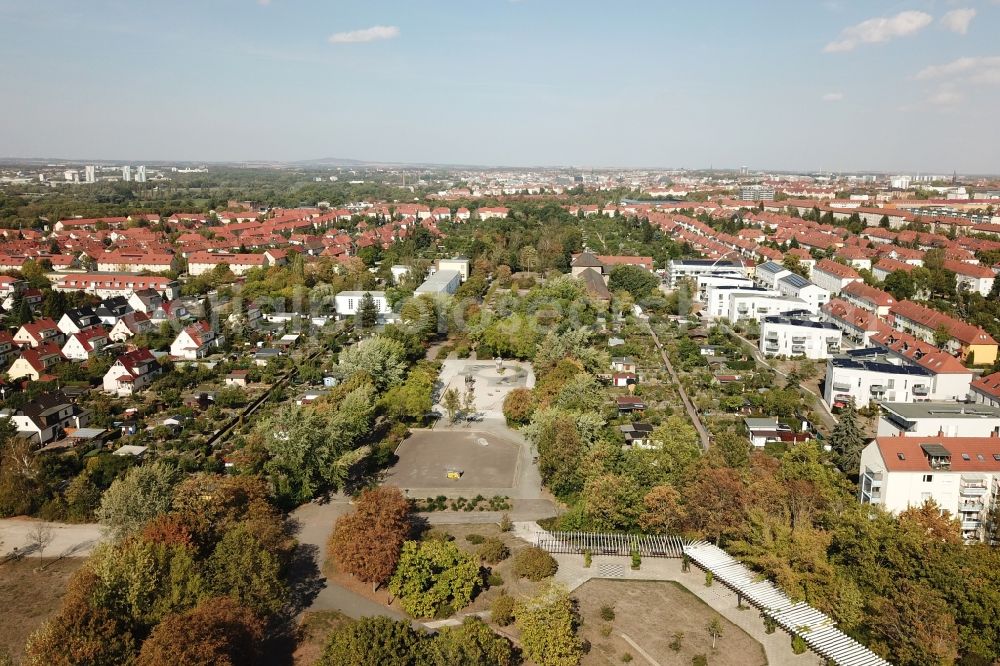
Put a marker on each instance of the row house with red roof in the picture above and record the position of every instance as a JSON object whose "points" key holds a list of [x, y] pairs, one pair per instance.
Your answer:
{"points": [[966, 340], [833, 276], [971, 277], [138, 262], [106, 285], [200, 263]]}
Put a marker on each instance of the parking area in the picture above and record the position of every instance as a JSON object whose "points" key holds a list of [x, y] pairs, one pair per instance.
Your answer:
{"points": [[485, 460]]}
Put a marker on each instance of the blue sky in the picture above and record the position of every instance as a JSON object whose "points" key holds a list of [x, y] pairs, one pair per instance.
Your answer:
{"points": [[779, 84]]}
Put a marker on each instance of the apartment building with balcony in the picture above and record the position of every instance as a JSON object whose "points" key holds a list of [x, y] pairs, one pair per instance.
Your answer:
{"points": [[768, 274], [690, 269], [793, 336], [960, 474], [718, 296], [867, 378], [758, 306], [944, 419], [706, 282], [796, 286], [834, 276]]}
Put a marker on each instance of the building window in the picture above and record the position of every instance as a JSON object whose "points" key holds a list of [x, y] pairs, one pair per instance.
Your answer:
{"points": [[928, 478]]}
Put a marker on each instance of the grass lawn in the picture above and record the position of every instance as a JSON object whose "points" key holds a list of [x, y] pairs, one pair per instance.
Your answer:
{"points": [[314, 629], [30, 592], [651, 613]]}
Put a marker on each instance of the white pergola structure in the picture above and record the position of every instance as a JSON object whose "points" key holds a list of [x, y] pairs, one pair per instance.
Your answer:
{"points": [[817, 629]]}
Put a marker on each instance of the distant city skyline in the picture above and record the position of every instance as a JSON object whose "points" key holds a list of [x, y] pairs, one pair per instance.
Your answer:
{"points": [[841, 85]]}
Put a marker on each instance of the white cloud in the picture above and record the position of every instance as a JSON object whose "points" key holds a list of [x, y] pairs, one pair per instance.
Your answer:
{"points": [[833, 97], [372, 34], [880, 29], [946, 98], [958, 20], [980, 69]]}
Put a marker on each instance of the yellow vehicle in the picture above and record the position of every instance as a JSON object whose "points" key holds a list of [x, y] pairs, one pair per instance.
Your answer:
{"points": [[454, 474]]}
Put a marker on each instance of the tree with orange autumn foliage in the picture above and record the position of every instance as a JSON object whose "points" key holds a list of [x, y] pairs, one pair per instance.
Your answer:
{"points": [[366, 543]]}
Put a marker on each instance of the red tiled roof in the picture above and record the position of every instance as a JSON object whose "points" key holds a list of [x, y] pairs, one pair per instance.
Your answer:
{"points": [[833, 268], [965, 333], [904, 454]]}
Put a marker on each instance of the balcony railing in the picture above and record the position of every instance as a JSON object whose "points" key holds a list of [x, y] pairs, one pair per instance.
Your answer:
{"points": [[920, 389], [841, 386]]}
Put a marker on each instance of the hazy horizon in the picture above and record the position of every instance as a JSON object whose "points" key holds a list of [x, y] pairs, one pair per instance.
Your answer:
{"points": [[838, 86]]}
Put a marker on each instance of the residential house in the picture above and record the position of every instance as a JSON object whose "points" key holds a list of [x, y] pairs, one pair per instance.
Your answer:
{"points": [[237, 378], [78, 319], [967, 341], [834, 276], [43, 419], [195, 341], [132, 372], [110, 310], [39, 332], [348, 303], [133, 323], [36, 362], [986, 390], [84, 345]]}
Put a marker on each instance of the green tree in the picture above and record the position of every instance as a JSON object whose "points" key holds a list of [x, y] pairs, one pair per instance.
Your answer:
{"points": [[373, 641], [434, 575], [243, 568], [473, 642], [367, 312], [548, 624], [382, 359], [452, 403], [847, 440], [635, 280], [132, 500]]}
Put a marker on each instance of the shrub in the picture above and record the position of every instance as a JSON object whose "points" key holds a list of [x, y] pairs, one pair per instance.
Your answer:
{"points": [[437, 534], [799, 644], [506, 524], [708, 579], [494, 580], [699, 660], [587, 559], [503, 610], [769, 625], [636, 560], [675, 643], [606, 630], [534, 564], [607, 613], [475, 539], [493, 550], [627, 657]]}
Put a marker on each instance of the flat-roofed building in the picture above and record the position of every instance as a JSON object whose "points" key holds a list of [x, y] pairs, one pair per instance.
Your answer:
{"points": [[794, 336], [944, 419]]}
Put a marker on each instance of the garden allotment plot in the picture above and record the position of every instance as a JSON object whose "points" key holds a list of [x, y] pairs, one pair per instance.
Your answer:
{"points": [[487, 463]]}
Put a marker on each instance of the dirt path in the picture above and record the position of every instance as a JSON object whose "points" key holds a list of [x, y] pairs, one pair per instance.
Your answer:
{"points": [[688, 406]]}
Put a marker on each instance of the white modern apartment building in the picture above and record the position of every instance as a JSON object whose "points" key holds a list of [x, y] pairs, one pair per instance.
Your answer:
{"points": [[707, 281], [867, 380], [768, 274], [796, 286], [791, 336], [960, 474], [690, 269], [938, 419], [347, 303], [718, 298], [758, 306]]}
